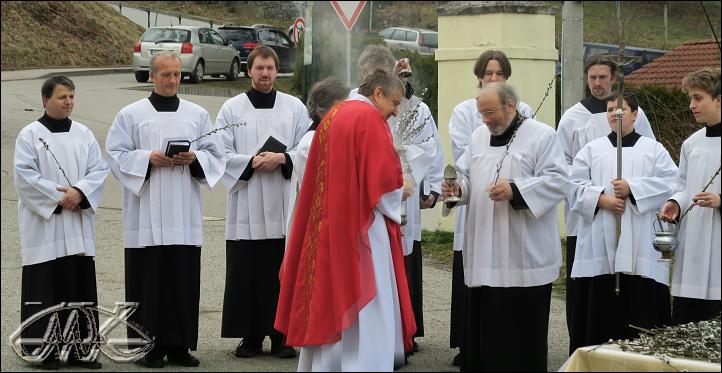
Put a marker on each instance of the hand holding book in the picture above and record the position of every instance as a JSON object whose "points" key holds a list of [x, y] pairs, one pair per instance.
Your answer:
{"points": [[270, 155]]}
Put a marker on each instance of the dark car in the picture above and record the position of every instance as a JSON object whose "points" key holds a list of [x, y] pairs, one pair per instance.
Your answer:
{"points": [[646, 55], [246, 38]]}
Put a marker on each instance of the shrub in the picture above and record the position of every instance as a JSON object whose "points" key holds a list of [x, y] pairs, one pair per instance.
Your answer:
{"points": [[669, 115]]}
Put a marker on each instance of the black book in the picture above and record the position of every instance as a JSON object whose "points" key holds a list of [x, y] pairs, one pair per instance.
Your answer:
{"points": [[272, 145], [177, 146]]}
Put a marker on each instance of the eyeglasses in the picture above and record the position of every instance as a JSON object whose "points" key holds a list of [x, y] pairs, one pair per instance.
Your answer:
{"points": [[488, 113]]}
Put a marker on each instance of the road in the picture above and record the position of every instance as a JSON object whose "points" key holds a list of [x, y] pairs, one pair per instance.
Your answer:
{"points": [[98, 99]]}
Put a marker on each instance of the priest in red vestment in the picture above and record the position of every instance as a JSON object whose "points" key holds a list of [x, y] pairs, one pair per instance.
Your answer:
{"points": [[344, 298]]}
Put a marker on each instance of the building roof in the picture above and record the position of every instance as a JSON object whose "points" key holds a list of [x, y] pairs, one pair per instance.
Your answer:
{"points": [[668, 70]]}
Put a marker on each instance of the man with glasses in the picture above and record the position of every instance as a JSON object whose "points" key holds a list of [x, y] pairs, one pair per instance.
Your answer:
{"points": [[581, 124], [491, 66], [512, 176]]}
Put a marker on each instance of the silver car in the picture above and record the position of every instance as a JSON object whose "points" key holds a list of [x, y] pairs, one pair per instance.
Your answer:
{"points": [[201, 49], [412, 39]]}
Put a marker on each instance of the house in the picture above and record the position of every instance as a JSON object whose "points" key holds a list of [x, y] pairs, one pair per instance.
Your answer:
{"points": [[668, 70]]}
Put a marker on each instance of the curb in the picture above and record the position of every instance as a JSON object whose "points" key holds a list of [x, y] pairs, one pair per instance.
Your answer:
{"points": [[33, 75], [117, 70]]}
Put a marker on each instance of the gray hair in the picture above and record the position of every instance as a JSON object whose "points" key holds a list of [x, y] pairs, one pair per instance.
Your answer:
{"points": [[323, 95], [381, 79], [161, 55], [505, 92], [375, 57]]}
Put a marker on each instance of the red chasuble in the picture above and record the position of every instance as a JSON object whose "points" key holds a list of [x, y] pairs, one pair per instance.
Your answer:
{"points": [[327, 275]]}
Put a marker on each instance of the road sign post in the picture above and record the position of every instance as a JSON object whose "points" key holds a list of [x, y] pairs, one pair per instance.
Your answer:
{"points": [[348, 11]]}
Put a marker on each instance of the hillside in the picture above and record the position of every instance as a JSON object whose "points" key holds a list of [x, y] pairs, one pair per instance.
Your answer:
{"points": [[60, 34], [49, 34]]}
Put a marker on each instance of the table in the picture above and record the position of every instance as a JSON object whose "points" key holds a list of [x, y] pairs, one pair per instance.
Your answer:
{"points": [[610, 358]]}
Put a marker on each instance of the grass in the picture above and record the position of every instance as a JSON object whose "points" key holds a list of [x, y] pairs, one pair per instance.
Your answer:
{"points": [[226, 11], [438, 248], [59, 34]]}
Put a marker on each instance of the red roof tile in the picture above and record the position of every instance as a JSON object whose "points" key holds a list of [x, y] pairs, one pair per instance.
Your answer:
{"points": [[669, 69]]}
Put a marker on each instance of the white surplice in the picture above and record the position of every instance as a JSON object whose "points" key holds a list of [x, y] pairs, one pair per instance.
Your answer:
{"points": [[299, 169], [577, 127], [697, 264], [650, 173], [165, 209], [504, 247], [375, 341], [465, 119], [45, 236], [258, 208]]}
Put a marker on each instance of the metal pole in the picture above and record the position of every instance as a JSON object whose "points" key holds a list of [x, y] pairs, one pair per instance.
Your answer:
{"points": [[620, 106], [572, 53], [665, 27], [348, 58], [371, 15]]}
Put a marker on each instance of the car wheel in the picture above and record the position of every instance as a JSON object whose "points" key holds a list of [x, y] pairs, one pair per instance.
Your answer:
{"points": [[233, 72], [141, 76], [197, 75]]}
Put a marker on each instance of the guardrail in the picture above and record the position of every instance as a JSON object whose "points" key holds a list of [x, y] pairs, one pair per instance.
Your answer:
{"points": [[179, 15]]}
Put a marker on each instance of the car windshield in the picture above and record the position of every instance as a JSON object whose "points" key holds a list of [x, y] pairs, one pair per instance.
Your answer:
{"points": [[245, 35], [430, 39], [166, 35]]}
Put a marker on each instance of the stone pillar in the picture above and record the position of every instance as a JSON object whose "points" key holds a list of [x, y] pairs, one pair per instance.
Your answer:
{"points": [[523, 30]]}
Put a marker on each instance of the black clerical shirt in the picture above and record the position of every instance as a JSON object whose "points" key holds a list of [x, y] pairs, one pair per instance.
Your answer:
{"points": [[627, 141], [164, 103], [594, 105], [713, 131], [261, 100], [55, 125]]}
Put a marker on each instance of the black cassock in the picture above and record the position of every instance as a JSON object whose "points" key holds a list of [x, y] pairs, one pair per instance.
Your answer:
{"points": [[491, 313], [252, 287], [44, 285], [165, 281]]}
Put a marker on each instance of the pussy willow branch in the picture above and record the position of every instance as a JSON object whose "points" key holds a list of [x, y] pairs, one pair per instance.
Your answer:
{"points": [[549, 87], [219, 129], [47, 147]]}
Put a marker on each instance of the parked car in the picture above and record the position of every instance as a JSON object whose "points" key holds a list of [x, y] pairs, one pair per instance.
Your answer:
{"points": [[246, 38], [201, 49], [412, 39], [646, 55]]}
